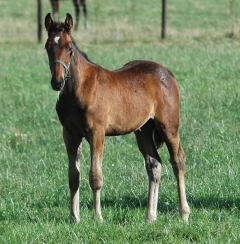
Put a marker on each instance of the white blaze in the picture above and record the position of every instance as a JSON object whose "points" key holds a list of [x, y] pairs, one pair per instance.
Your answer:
{"points": [[56, 39]]}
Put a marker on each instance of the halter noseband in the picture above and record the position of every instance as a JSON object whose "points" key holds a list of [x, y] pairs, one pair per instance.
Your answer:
{"points": [[64, 65]]}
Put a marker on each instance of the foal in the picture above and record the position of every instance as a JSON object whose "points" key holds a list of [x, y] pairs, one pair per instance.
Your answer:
{"points": [[141, 97], [77, 3]]}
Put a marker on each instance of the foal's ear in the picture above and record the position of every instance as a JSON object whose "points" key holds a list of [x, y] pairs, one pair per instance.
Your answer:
{"points": [[68, 23], [48, 22]]}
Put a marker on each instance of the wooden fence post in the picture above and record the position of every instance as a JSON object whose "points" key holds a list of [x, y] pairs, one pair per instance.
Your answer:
{"points": [[39, 11], [164, 7]]}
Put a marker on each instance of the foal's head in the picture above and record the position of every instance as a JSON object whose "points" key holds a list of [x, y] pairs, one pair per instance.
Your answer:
{"points": [[59, 49]]}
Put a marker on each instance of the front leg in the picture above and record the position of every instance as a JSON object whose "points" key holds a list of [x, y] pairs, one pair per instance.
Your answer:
{"points": [[74, 147], [96, 141]]}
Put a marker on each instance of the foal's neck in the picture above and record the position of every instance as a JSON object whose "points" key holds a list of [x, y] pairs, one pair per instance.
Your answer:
{"points": [[80, 59], [77, 70]]}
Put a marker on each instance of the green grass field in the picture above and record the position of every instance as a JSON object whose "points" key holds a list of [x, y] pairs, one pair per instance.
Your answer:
{"points": [[202, 50]]}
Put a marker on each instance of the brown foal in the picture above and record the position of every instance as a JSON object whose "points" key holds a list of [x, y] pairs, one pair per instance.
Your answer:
{"points": [[141, 97]]}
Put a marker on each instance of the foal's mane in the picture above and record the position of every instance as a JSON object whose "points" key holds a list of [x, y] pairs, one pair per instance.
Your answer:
{"points": [[58, 27], [81, 52]]}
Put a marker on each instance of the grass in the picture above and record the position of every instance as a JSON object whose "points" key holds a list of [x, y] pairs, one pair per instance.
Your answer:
{"points": [[34, 195]]}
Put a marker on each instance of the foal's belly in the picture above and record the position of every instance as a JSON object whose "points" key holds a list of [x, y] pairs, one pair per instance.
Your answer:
{"points": [[124, 122]]}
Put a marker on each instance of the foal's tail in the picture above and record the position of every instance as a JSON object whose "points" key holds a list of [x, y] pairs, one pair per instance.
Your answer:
{"points": [[158, 140]]}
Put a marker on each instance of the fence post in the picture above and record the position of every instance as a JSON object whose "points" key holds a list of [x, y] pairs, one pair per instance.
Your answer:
{"points": [[39, 11], [164, 6]]}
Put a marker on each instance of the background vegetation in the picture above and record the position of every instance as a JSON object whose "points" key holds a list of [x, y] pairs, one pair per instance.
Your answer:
{"points": [[202, 50]]}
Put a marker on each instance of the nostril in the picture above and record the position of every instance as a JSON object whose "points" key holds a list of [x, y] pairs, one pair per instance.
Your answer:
{"points": [[57, 85]]}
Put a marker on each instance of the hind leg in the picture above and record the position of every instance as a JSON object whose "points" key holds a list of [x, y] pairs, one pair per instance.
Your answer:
{"points": [[177, 159], [153, 167]]}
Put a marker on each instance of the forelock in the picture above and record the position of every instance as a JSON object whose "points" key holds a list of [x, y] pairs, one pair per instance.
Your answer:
{"points": [[57, 27]]}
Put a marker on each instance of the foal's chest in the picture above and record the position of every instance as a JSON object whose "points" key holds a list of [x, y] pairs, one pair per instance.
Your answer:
{"points": [[72, 117]]}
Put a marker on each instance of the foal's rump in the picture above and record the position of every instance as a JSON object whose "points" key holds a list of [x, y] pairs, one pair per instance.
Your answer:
{"points": [[150, 76]]}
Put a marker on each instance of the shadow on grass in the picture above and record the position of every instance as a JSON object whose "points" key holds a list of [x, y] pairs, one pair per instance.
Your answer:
{"points": [[58, 210], [132, 202], [215, 202], [167, 205]]}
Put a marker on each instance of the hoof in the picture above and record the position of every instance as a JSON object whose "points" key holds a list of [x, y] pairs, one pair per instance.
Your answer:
{"points": [[184, 213], [98, 218], [151, 218], [74, 219]]}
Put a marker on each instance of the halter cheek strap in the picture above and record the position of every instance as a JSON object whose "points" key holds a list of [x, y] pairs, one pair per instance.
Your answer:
{"points": [[64, 65]]}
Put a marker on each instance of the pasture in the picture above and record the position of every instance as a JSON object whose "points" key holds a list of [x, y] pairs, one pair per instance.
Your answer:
{"points": [[202, 49]]}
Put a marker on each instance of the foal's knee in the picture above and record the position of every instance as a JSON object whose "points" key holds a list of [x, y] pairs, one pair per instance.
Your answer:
{"points": [[153, 168], [95, 180]]}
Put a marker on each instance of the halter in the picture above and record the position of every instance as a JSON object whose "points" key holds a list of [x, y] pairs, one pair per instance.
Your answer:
{"points": [[64, 65]]}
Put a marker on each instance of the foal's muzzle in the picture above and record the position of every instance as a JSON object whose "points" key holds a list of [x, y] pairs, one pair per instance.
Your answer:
{"points": [[57, 85]]}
